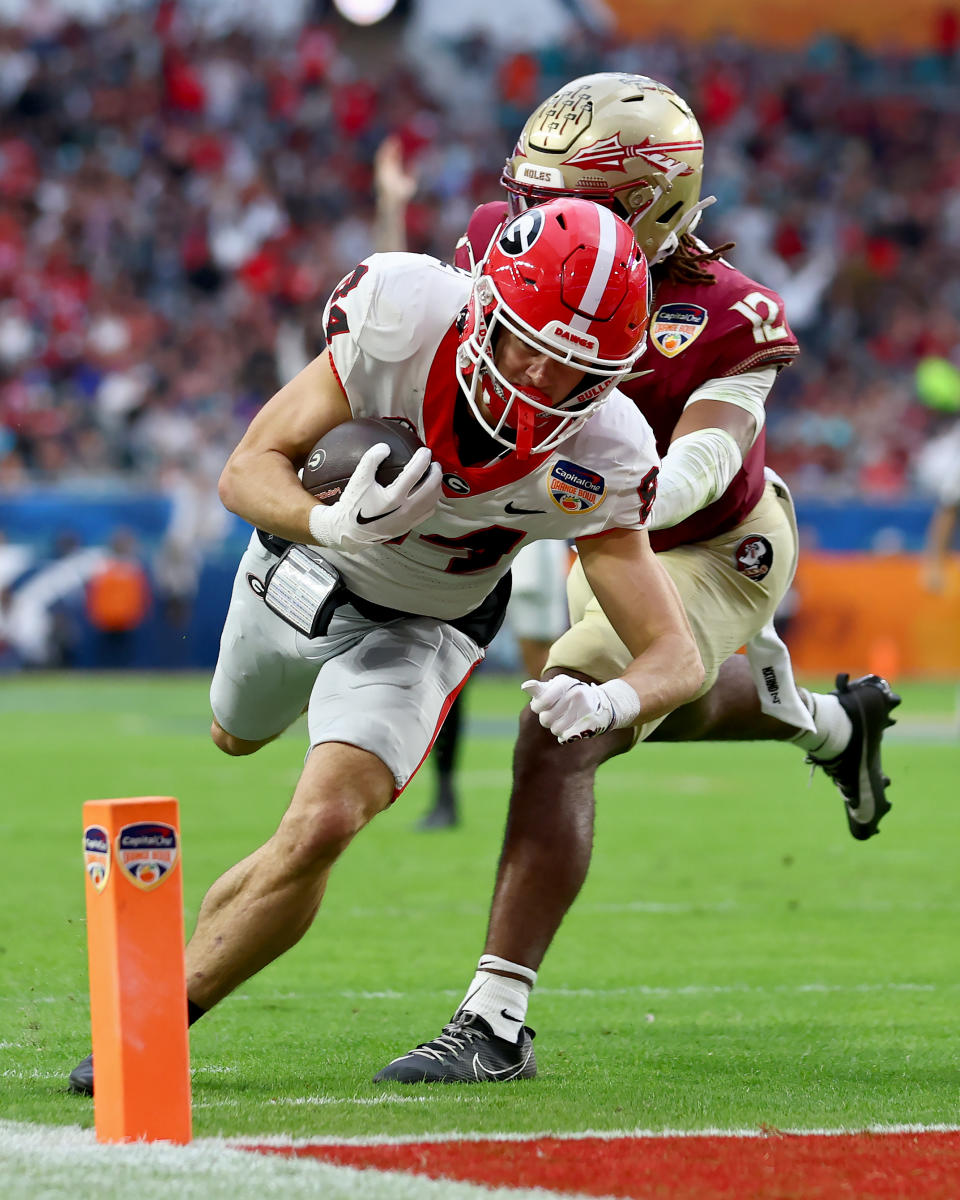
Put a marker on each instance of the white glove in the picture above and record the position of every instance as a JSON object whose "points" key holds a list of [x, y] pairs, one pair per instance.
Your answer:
{"points": [[367, 512], [572, 709]]}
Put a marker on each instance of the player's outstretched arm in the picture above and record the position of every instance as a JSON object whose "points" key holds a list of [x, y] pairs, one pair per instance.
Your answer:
{"points": [[639, 598], [937, 546], [259, 481], [709, 444]]}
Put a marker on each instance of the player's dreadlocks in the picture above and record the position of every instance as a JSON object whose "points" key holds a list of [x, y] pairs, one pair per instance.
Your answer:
{"points": [[686, 263]]}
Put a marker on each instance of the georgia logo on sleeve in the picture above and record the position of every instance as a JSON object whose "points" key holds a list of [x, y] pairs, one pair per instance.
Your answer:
{"points": [[575, 489], [675, 326]]}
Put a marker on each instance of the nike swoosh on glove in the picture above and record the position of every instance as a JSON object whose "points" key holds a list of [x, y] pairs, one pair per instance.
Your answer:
{"points": [[369, 512], [572, 709]]}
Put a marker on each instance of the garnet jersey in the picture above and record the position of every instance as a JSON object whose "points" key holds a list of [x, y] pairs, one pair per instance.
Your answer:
{"points": [[698, 332], [392, 332]]}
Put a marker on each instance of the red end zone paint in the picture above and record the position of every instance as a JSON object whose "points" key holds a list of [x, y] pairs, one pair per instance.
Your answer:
{"points": [[775, 1166]]}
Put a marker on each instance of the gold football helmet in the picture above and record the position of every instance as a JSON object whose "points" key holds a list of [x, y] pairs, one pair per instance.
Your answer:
{"points": [[625, 141]]}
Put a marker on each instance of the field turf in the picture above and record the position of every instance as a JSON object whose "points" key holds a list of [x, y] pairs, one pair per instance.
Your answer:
{"points": [[735, 961]]}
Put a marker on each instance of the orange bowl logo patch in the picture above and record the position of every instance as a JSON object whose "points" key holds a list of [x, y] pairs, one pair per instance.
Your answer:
{"points": [[675, 326], [575, 489]]}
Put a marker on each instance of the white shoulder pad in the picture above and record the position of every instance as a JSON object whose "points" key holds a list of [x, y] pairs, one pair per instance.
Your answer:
{"points": [[390, 306]]}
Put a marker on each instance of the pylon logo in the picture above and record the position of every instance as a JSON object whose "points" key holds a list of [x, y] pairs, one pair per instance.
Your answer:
{"points": [[147, 852], [96, 855]]}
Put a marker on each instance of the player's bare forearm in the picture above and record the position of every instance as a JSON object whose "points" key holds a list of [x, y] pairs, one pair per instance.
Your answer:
{"points": [[641, 602], [937, 547], [259, 481], [263, 488], [714, 414]]}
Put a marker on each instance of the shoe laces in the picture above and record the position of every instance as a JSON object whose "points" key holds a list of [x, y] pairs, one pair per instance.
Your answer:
{"points": [[453, 1038]]}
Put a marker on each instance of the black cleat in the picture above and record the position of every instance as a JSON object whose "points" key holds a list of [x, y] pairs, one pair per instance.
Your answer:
{"points": [[439, 817], [81, 1077], [467, 1051], [857, 771]]}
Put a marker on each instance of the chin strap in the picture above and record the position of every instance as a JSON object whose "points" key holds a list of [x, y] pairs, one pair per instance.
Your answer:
{"points": [[526, 419]]}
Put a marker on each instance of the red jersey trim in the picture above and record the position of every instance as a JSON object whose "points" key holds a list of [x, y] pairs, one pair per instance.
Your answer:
{"points": [[447, 705], [336, 375], [590, 537]]}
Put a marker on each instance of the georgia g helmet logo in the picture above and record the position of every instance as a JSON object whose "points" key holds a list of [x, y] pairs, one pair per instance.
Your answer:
{"points": [[521, 233]]}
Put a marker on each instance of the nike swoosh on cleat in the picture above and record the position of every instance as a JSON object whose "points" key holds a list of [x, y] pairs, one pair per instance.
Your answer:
{"points": [[481, 1072], [362, 520], [864, 812], [512, 509]]}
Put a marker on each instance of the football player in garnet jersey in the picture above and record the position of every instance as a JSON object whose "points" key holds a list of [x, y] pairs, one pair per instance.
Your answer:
{"points": [[372, 611], [722, 525]]}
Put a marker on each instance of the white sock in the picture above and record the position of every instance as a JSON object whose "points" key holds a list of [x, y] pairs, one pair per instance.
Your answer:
{"points": [[501, 1001], [833, 730]]}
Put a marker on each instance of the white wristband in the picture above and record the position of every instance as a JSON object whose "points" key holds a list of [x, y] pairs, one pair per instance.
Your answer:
{"points": [[696, 470], [624, 701], [319, 523]]}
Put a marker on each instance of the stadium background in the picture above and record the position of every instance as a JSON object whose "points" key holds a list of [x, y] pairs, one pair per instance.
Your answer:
{"points": [[181, 185], [179, 188]]}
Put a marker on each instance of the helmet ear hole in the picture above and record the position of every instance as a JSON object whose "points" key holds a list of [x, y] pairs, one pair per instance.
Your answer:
{"points": [[666, 217]]}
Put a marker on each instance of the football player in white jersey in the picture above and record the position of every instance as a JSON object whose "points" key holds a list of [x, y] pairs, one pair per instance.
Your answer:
{"points": [[373, 611], [724, 530], [939, 474]]}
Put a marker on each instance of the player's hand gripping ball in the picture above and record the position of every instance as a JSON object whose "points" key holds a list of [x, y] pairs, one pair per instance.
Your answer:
{"points": [[333, 460], [377, 480]]}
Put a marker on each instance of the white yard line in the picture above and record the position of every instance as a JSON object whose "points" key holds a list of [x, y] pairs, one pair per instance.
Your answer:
{"points": [[639, 989], [39, 1160], [685, 989], [600, 1134], [48, 1161]]}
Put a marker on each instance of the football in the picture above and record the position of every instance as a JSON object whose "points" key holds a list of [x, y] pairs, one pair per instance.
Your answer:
{"points": [[334, 458]]}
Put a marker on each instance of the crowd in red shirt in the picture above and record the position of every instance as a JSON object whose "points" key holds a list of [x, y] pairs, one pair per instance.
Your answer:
{"points": [[175, 207]]}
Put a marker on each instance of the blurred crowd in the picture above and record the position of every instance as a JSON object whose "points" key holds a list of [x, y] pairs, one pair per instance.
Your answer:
{"points": [[175, 207]]}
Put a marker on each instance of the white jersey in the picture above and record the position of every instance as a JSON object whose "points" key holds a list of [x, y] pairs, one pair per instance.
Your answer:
{"points": [[391, 328], [938, 467]]}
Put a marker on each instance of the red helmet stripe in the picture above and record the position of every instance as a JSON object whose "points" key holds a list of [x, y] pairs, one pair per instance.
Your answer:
{"points": [[602, 268]]}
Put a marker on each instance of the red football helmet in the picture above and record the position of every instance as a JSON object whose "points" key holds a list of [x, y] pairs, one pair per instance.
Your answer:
{"points": [[567, 278]]}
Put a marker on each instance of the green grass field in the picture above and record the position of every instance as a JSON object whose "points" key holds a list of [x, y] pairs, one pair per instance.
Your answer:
{"points": [[736, 960]]}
